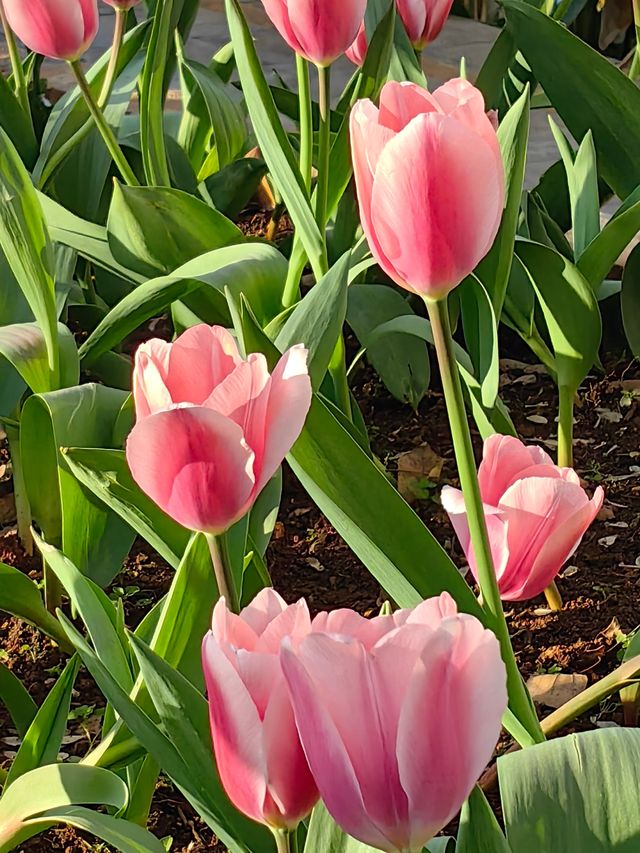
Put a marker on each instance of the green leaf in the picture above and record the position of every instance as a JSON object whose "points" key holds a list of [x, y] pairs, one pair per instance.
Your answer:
{"points": [[106, 474], [233, 187], [325, 836], [578, 792], [154, 154], [603, 251], [490, 79], [264, 514], [257, 270], [513, 134], [582, 180], [570, 311], [586, 89], [95, 609], [24, 345], [42, 741], [17, 124], [630, 301], [401, 361], [481, 337], [93, 537], [154, 230], [53, 787], [25, 242], [121, 834], [20, 596], [272, 139], [317, 320], [479, 831], [371, 516], [16, 699]]}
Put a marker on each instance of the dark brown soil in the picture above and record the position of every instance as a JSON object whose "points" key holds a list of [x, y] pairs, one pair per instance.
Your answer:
{"points": [[307, 558]]}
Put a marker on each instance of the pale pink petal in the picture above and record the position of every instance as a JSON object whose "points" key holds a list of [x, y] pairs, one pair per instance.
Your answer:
{"points": [[259, 672], [327, 753], [150, 374], [401, 102], [286, 411], [294, 622], [229, 628], [195, 464], [292, 791], [348, 623], [436, 203], [504, 459], [325, 28], [265, 607], [200, 359], [431, 612], [236, 732], [455, 699]]}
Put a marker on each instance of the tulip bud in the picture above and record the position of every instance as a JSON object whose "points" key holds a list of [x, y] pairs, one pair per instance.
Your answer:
{"points": [[398, 716], [211, 428], [318, 30], [430, 183], [536, 515], [358, 49], [260, 761], [59, 30], [423, 19]]}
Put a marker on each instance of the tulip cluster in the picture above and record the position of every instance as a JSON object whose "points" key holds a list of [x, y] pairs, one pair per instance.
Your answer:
{"points": [[536, 515], [389, 720]]}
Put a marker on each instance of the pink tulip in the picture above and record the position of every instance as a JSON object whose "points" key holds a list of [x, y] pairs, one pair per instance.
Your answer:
{"points": [[59, 29], [258, 754], [423, 19], [430, 182], [211, 428], [398, 716], [536, 515], [358, 49], [318, 30]]}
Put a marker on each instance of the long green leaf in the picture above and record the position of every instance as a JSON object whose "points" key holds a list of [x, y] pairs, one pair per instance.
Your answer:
{"points": [[154, 154], [20, 596], [121, 834], [604, 250], [325, 836], [15, 697], [479, 831], [24, 345], [630, 301]]}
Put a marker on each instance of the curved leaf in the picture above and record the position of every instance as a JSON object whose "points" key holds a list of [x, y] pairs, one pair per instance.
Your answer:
{"points": [[15, 697]]}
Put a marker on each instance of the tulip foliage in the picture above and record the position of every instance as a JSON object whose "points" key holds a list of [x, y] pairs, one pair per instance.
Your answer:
{"points": [[162, 373]]}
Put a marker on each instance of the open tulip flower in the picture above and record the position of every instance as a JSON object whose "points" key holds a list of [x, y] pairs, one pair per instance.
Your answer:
{"points": [[257, 748], [59, 29], [318, 30], [212, 428], [536, 514], [397, 715], [430, 182]]}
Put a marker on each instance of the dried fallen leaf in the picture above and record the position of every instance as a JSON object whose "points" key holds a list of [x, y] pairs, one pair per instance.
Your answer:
{"points": [[607, 541], [554, 689], [606, 513], [418, 470], [537, 419], [315, 564]]}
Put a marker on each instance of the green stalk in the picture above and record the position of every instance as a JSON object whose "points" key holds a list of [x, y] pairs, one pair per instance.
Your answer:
{"points": [[19, 80], [23, 509], [283, 840], [65, 149], [324, 145], [519, 699], [222, 572], [306, 120], [634, 70], [110, 141], [297, 261]]}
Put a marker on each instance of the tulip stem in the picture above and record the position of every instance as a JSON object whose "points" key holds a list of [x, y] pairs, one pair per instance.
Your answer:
{"points": [[108, 136], [519, 699], [306, 120], [19, 79], [222, 572], [324, 145], [283, 840]]}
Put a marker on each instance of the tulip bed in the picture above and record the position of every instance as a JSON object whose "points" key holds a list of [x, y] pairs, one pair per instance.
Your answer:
{"points": [[323, 531]]}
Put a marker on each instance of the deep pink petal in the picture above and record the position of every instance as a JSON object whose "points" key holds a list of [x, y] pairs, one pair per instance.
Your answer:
{"points": [[195, 464], [437, 15], [358, 49], [279, 15], [59, 29], [436, 203], [286, 411], [414, 18], [200, 359], [325, 28], [150, 376], [236, 732], [455, 700]]}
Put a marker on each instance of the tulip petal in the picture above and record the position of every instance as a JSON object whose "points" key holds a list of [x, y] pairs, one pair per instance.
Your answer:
{"points": [[414, 18], [279, 16], [325, 28], [265, 607], [195, 464], [151, 369], [456, 699], [294, 622], [56, 28], [200, 359], [236, 732], [286, 411], [401, 102], [328, 755], [445, 176], [229, 628], [504, 459]]}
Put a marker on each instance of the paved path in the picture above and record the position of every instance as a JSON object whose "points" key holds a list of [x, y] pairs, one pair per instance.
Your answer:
{"points": [[460, 37]]}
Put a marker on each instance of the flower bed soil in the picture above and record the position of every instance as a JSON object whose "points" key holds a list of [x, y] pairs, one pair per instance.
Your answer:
{"points": [[307, 558]]}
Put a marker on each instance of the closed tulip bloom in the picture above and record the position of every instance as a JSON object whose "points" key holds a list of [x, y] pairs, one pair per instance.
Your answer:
{"points": [[430, 182], [318, 30], [423, 19], [397, 715], [536, 514], [212, 428], [59, 29], [258, 753]]}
